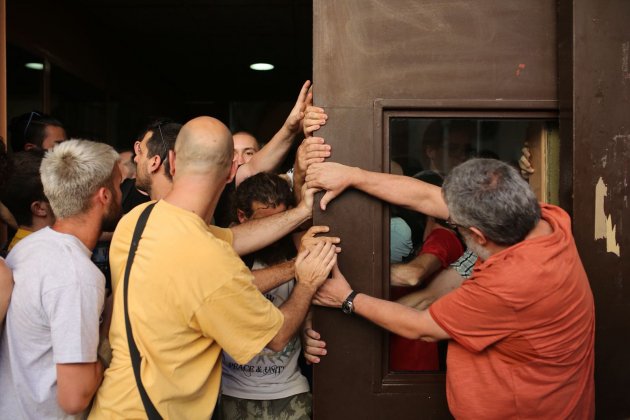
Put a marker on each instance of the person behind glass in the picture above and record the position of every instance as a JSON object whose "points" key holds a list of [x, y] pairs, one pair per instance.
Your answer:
{"points": [[270, 385], [48, 357], [440, 247], [24, 195], [35, 130], [447, 144], [522, 328], [189, 292]]}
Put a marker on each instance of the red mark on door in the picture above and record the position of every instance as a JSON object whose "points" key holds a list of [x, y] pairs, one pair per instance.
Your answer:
{"points": [[518, 70]]}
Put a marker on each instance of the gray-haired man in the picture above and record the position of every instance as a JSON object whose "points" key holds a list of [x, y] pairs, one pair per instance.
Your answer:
{"points": [[48, 356], [522, 328]]}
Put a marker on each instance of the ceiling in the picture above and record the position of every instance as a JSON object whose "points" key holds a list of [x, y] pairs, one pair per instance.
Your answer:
{"points": [[176, 58], [189, 50]]}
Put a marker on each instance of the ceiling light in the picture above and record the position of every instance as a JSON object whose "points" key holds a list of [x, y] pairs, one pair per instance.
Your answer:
{"points": [[34, 66], [261, 66]]}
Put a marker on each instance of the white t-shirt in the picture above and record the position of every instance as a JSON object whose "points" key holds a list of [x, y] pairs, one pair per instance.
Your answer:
{"points": [[53, 318], [269, 375]]}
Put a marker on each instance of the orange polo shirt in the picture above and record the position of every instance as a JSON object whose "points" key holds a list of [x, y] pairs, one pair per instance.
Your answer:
{"points": [[523, 330]]}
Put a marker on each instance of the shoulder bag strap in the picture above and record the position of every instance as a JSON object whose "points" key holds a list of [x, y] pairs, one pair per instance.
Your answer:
{"points": [[152, 412]]}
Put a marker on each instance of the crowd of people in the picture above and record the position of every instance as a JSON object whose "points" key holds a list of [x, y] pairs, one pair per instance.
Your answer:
{"points": [[175, 279]]}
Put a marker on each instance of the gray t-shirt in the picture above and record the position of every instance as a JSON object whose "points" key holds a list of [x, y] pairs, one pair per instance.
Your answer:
{"points": [[270, 375], [53, 318]]}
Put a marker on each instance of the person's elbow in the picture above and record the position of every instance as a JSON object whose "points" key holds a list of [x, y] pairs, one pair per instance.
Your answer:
{"points": [[414, 334], [74, 403], [76, 385]]}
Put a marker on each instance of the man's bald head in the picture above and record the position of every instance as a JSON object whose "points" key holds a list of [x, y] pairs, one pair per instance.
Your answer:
{"points": [[204, 145]]}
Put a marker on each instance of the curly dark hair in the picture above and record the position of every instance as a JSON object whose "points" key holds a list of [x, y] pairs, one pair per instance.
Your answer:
{"points": [[266, 188]]}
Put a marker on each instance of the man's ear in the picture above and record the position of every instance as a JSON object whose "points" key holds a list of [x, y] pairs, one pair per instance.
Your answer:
{"points": [[154, 163], [103, 196], [171, 159], [232, 173], [240, 214], [478, 236], [40, 208]]}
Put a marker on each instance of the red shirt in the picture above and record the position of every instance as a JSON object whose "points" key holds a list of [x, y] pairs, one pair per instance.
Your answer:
{"points": [[523, 329], [418, 355]]}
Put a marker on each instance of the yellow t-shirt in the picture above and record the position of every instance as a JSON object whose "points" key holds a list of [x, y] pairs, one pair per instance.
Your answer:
{"points": [[190, 296], [19, 235]]}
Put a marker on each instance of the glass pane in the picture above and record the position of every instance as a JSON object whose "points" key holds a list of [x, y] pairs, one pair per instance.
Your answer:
{"points": [[421, 247]]}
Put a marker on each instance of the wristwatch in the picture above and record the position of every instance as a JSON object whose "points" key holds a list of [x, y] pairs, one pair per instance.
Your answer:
{"points": [[347, 306]]}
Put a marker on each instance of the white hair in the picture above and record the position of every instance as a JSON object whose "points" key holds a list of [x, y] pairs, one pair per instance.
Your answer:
{"points": [[73, 171]]}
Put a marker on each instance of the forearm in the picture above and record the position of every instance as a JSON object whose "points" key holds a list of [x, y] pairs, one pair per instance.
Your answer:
{"points": [[402, 320], [414, 272], [446, 281], [269, 157], [294, 311], [259, 233], [402, 191], [268, 278]]}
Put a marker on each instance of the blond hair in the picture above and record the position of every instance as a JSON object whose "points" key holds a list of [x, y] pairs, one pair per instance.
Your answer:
{"points": [[73, 171]]}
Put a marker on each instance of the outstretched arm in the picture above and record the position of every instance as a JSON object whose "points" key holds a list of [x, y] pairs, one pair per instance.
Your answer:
{"points": [[392, 316], [444, 282], [395, 189], [274, 152], [268, 278], [415, 271], [259, 233], [311, 270]]}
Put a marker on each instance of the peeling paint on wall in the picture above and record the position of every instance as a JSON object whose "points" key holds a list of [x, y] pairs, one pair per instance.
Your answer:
{"points": [[625, 52], [604, 227]]}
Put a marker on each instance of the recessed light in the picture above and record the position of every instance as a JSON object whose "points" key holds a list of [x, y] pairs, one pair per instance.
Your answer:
{"points": [[34, 66], [261, 66]]}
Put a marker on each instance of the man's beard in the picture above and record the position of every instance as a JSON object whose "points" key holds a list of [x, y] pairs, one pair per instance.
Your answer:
{"points": [[278, 252], [143, 180], [479, 250], [111, 217]]}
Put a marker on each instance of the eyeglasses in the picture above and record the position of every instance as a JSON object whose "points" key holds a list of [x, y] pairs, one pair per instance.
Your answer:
{"points": [[453, 225], [137, 150], [164, 155], [30, 118]]}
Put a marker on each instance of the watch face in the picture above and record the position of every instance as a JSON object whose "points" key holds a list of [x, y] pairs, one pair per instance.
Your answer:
{"points": [[346, 307]]}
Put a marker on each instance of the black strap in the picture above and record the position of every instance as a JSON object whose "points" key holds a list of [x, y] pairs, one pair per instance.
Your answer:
{"points": [[152, 413]]}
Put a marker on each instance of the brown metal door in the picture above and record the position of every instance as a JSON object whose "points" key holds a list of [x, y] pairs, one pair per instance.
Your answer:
{"points": [[372, 57]]}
